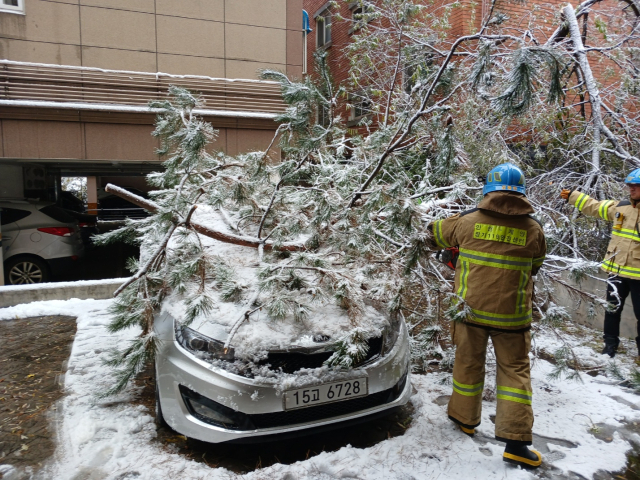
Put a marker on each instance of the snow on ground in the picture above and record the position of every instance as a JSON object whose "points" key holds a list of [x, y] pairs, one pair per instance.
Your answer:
{"points": [[112, 439]]}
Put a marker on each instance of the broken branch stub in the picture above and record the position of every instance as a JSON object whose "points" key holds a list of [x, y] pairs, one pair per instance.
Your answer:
{"points": [[252, 242]]}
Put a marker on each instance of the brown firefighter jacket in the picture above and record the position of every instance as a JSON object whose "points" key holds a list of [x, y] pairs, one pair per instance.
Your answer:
{"points": [[501, 246], [623, 252]]}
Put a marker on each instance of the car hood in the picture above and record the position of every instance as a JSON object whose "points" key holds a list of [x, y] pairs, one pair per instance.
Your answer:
{"points": [[325, 323]]}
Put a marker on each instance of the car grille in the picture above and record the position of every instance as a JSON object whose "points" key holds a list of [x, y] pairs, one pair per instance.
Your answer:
{"points": [[290, 362], [243, 422]]}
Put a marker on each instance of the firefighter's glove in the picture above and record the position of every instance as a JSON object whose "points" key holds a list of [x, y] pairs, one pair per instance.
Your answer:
{"points": [[564, 194]]}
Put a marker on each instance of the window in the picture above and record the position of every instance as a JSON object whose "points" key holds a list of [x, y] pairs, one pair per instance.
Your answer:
{"points": [[323, 29], [10, 215], [15, 6], [360, 14], [414, 72], [360, 107], [58, 214], [324, 115]]}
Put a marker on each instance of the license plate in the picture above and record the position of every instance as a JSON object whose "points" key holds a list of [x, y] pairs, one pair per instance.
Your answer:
{"points": [[329, 392]]}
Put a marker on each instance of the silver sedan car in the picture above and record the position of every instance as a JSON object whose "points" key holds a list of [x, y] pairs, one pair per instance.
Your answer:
{"points": [[204, 393], [38, 240]]}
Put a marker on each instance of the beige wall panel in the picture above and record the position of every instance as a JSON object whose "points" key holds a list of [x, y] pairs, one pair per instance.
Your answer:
{"points": [[184, 65], [202, 9], [120, 142], [294, 72], [256, 43], [41, 139], [294, 15], [44, 21], [241, 69], [39, 52], [135, 5], [268, 13], [102, 27], [294, 48], [185, 36], [232, 142], [254, 140], [1, 141], [119, 59]]}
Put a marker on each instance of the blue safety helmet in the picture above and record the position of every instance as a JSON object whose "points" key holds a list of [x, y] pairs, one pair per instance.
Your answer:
{"points": [[634, 177], [505, 177]]}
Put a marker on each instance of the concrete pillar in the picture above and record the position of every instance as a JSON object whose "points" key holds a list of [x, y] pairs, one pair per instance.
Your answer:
{"points": [[92, 195]]}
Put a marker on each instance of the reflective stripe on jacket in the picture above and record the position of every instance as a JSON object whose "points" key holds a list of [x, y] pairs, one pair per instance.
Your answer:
{"points": [[501, 247], [623, 252]]}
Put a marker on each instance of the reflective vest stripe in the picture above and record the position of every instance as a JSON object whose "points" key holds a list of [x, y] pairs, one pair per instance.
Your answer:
{"points": [[626, 233], [537, 262], [613, 267], [437, 230], [522, 290], [464, 275], [495, 260], [515, 395], [582, 199], [501, 319], [468, 390], [604, 209]]}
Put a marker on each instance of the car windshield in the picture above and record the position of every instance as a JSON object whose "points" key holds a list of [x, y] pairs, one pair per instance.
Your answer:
{"points": [[57, 214]]}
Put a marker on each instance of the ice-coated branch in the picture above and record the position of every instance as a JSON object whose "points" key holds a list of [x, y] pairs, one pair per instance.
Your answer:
{"points": [[244, 241], [145, 268], [594, 96]]}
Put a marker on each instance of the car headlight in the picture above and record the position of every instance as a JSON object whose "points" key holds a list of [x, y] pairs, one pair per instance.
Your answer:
{"points": [[391, 333], [201, 345]]}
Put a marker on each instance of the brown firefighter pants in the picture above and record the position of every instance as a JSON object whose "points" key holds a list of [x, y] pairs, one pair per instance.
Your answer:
{"points": [[514, 415]]}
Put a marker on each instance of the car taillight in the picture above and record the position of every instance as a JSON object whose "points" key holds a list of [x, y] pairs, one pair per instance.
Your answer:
{"points": [[59, 231]]}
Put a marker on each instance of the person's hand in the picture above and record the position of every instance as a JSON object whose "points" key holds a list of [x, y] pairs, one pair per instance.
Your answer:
{"points": [[564, 194]]}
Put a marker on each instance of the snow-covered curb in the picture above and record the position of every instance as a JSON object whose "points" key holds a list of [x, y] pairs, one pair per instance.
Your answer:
{"points": [[85, 289]]}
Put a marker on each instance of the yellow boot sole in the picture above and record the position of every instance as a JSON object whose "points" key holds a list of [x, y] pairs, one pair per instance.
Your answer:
{"points": [[469, 431], [522, 461]]}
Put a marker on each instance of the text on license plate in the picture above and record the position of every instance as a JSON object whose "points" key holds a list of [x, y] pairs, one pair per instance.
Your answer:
{"points": [[329, 392]]}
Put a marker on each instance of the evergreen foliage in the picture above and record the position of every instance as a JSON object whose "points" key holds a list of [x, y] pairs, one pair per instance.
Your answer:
{"points": [[339, 214]]}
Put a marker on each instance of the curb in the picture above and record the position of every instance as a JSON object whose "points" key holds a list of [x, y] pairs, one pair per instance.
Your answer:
{"points": [[96, 289]]}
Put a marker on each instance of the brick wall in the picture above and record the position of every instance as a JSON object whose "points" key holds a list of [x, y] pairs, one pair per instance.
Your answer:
{"points": [[538, 17]]}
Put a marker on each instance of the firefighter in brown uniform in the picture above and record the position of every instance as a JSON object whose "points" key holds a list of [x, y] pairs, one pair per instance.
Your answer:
{"points": [[622, 260], [501, 246]]}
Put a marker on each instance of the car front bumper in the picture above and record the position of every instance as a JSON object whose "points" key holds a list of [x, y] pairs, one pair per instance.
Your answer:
{"points": [[180, 375]]}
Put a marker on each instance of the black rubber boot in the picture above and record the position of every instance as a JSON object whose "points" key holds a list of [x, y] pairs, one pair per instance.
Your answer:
{"points": [[519, 454], [610, 347]]}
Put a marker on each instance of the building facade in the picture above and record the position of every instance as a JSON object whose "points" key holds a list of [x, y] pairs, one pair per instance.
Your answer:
{"points": [[77, 76]]}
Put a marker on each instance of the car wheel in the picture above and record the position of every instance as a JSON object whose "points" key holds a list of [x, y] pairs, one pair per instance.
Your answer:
{"points": [[26, 270], [160, 421]]}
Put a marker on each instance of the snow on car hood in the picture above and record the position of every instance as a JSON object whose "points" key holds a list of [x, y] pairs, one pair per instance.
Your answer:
{"points": [[261, 333]]}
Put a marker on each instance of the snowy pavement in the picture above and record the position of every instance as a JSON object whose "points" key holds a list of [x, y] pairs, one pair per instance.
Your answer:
{"points": [[581, 428]]}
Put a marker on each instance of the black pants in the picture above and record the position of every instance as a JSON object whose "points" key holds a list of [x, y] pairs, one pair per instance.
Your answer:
{"points": [[624, 286]]}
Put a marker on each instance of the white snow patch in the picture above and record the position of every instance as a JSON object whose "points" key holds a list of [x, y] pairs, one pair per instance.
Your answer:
{"points": [[78, 283], [110, 439], [133, 72]]}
